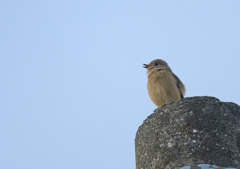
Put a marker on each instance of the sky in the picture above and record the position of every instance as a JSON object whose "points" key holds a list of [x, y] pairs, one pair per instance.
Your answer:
{"points": [[73, 89], [204, 166]]}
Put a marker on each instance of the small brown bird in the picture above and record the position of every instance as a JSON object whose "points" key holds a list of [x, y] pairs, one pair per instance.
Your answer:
{"points": [[163, 85]]}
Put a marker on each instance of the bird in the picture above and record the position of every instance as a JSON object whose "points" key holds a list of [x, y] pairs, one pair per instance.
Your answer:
{"points": [[163, 85]]}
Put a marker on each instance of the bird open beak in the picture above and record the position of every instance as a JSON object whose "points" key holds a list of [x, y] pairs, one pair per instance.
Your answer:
{"points": [[146, 66]]}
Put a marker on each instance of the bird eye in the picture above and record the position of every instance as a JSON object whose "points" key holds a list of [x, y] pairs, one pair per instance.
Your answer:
{"points": [[156, 64]]}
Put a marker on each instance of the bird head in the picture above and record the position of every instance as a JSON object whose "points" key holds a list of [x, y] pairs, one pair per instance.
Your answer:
{"points": [[157, 65]]}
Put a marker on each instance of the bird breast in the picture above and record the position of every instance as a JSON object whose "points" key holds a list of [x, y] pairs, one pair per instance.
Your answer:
{"points": [[162, 88]]}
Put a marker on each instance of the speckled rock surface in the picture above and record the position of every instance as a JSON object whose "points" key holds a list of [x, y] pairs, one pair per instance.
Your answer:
{"points": [[196, 130]]}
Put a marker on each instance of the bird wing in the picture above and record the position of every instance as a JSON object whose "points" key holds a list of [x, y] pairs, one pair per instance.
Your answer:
{"points": [[180, 86]]}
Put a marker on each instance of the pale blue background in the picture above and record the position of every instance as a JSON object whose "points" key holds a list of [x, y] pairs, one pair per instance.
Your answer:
{"points": [[73, 90], [205, 166]]}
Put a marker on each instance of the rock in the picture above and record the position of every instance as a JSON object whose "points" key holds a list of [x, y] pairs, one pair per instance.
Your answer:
{"points": [[190, 131]]}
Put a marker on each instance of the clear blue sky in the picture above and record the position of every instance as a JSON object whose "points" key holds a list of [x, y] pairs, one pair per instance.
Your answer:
{"points": [[73, 89]]}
